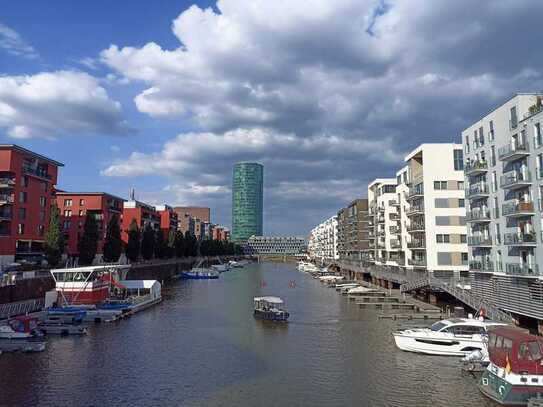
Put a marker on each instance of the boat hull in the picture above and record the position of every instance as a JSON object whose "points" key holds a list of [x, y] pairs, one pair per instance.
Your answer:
{"points": [[189, 276], [271, 315], [504, 393], [452, 346]]}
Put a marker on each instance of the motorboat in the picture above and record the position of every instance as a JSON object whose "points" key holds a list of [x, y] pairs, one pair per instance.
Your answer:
{"points": [[449, 337], [58, 328], [270, 309], [21, 327], [199, 273], [515, 372], [361, 290], [235, 264], [329, 279], [221, 268]]}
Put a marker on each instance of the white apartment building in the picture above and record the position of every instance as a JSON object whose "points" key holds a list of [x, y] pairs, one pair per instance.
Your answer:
{"points": [[503, 153], [436, 212], [384, 207], [402, 190], [323, 240]]}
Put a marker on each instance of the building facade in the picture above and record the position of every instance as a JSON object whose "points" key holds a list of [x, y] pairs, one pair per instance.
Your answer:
{"points": [[323, 241], [354, 226], [27, 187], [142, 213], [383, 209], [276, 245], [168, 219], [74, 208], [504, 172], [247, 201]]}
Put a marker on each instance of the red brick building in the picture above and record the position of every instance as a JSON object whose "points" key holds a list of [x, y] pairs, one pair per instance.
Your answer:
{"points": [[76, 206], [168, 219], [27, 184], [220, 233], [143, 214], [196, 212]]}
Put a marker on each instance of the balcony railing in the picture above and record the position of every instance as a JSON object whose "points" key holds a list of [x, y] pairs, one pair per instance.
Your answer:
{"points": [[6, 215], [37, 172], [6, 182], [522, 269], [479, 240], [515, 179], [476, 167], [395, 244], [6, 199], [415, 226], [415, 191], [477, 265], [393, 202], [417, 262], [513, 151], [417, 244], [512, 239], [478, 189], [518, 209], [478, 214], [414, 209]]}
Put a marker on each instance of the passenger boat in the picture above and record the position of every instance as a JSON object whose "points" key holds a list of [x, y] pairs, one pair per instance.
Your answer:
{"points": [[450, 337], [199, 274], [515, 372], [270, 309]]}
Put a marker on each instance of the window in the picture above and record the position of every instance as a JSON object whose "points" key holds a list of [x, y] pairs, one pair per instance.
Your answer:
{"points": [[440, 185], [67, 213], [21, 228], [22, 197], [496, 208], [43, 201], [538, 139], [498, 234], [81, 212], [441, 203], [67, 224], [491, 131], [481, 136], [467, 145], [475, 140], [443, 220], [463, 239], [41, 230], [22, 213], [444, 258], [67, 202], [464, 255], [443, 238], [25, 181], [458, 160], [81, 202], [539, 166], [492, 156], [461, 203], [460, 185], [514, 120], [494, 182]]}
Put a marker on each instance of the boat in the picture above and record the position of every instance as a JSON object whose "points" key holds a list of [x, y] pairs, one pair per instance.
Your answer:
{"points": [[199, 274], [221, 268], [270, 309], [361, 290], [21, 334], [329, 279], [235, 264], [515, 372], [49, 327], [66, 315], [449, 337]]}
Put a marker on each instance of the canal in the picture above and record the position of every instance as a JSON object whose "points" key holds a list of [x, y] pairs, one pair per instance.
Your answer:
{"points": [[202, 347]]}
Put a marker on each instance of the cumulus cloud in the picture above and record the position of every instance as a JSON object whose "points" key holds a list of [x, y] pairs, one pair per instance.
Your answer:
{"points": [[12, 43], [323, 91], [52, 104]]}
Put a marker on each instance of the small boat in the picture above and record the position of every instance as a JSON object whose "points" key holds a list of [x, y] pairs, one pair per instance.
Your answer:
{"points": [[235, 264], [66, 315], [328, 279], [221, 268], [361, 290], [515, 372], [21, 334], [199, 273], [49, 327], [449, 337], [270, 309]]}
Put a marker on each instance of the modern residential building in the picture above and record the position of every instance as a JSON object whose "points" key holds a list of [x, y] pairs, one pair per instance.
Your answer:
{"points": [[196, 212], [437, 214], [276, 245], [142, 213], [503, 154], [74, 208], [383, 207], [27, 184], [193, 219], [323, 240], [168, 219], [354, 231], [247, 201], [402, 191], [220, 233]]}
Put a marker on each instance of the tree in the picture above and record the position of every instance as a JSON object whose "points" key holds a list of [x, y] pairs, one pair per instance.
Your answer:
{"points": [[148, 242], [133, 245], [179, 244], [160, 245], [191, 245], [54, 239], [88, 243], [113, 244], [170, 244]]}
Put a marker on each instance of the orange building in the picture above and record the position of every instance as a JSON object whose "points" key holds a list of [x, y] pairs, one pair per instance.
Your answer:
{"points": [[168, 219], [144, 215]]}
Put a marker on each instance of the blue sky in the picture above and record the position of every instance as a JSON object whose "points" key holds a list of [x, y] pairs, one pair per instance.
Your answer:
{"points": [[165, 96]]}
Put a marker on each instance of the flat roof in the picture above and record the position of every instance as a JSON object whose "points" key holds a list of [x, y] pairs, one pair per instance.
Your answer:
{"points": [[25, 151], [420, 147], [88, 193], [379, 181]]}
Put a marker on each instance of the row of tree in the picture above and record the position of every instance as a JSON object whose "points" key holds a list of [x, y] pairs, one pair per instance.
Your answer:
{"points": [[146, 244]]}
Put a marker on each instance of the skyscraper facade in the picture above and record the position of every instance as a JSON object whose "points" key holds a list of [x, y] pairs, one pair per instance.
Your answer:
{"points": [[247, 201]]}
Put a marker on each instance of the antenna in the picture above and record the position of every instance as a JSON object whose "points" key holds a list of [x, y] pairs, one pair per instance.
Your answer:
{"points": [[132, 194]]}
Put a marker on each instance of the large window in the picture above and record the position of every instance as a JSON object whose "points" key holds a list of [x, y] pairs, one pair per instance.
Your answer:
{"points": [[458, 160]]}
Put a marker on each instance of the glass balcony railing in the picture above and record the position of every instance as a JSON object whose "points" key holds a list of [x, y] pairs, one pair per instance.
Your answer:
{"points": [[417, 244], [512, 239], [6, 199], [513, 151], [415, 191], [478, 189], [479, 240], [417, 262], [522, 269], [476, 167], [518, 209], [481, 265], [38, 172], [478, 214], [419, 226], [515, 179], [414, 209]]}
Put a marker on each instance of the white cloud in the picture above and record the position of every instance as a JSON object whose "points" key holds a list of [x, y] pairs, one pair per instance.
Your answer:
{"points": [[13, 43], [52, 104]]}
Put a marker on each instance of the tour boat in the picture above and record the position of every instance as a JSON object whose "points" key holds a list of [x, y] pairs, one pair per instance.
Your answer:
{"points": [[199, 273], [450, 337], [515, 372], [270, 309]]}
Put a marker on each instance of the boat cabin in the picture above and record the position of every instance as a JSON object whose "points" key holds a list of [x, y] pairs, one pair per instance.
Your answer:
{"points": [[268, 303], [23, 324], [516, 347]]}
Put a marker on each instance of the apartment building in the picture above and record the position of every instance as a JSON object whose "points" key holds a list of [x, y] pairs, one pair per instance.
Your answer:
{"points": [[402, 235], [74, 208], [276, 245], [323, 240], [168, 219], [384, 211], [503, 154], [354, 231], [142, 213], [27, 186], [436, 210]]}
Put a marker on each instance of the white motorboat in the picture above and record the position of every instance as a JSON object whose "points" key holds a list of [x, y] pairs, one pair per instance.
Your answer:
{"points": [[327, 279], [21, 327], [361, 290], [450, 337]]}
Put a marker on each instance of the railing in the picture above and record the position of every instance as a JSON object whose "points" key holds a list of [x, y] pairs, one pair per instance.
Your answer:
{"points": [[522, 269], [417, 244], [511, 239], [393, 202], [480, 188], [479, 240], [512, 149], [517, 208], [515, 177], [513, 124], [417, 262], [7, 181], [415, 209], [476, 166], [7, 198], [477, 265], [395, 244], [415, 226], [36, 172], [20, 308], [415, 191], [478, 214]]}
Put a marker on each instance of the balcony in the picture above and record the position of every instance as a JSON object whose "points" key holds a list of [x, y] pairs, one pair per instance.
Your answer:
{"points": [[481, 241], [37, 172], [478, 215], [381, 219], [518, 209], [394, 216], [6, 199], [476, 168], [520, 239], [417, 262], [484, 266], [393, 203], [513, 151], [395, 244], [394, 230], [478, 190], [415, 210], [516, 179], [416, 227], [5, 216], [416, 192], [522, 269], [7, 182], [419, 244]]}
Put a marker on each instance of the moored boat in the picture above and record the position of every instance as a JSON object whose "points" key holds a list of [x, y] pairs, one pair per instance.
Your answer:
{"points": [[21, 334], [199, 273], [270, 309], [449, 337]]}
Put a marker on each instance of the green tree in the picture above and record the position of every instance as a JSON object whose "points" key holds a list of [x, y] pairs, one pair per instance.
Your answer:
{"points": [[191, 245], [113, 244], [148, 242], [170, 244], [133, 246], [54, 239], [179, 244], [88, 242], [160, 245]]}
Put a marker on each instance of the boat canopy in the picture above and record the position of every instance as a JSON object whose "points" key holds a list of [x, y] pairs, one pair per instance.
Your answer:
{"points": [[141, 287], [517, 348], [271, 300]]}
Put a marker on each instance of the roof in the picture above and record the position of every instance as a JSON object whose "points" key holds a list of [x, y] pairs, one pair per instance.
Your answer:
{"points": [[379, 181], [25, 151], [513, 333], [273, 300], [421, 147], [141, 284], [59, 192]]}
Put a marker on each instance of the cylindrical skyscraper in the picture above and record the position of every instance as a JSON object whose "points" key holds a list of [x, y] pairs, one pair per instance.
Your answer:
{"points": [[247, 201]]}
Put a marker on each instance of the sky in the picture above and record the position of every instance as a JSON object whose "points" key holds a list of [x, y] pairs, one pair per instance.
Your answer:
{"points": [[165, 96]]}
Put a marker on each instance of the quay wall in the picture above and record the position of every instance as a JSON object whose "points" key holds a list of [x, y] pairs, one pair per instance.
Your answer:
{"points": [[26, 289]]}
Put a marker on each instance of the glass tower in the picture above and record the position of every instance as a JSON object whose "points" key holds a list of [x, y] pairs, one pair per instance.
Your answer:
{"points": [[247, 201]]}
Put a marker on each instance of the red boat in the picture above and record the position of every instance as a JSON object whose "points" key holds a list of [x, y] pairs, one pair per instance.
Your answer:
{"points": [[515, 372]]}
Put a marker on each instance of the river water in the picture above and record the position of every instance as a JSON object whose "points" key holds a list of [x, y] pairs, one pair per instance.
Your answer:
{"points": [[202, 347]]}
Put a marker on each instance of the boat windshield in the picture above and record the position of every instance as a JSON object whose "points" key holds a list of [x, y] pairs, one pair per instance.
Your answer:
{"points": [[438, 326]]}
